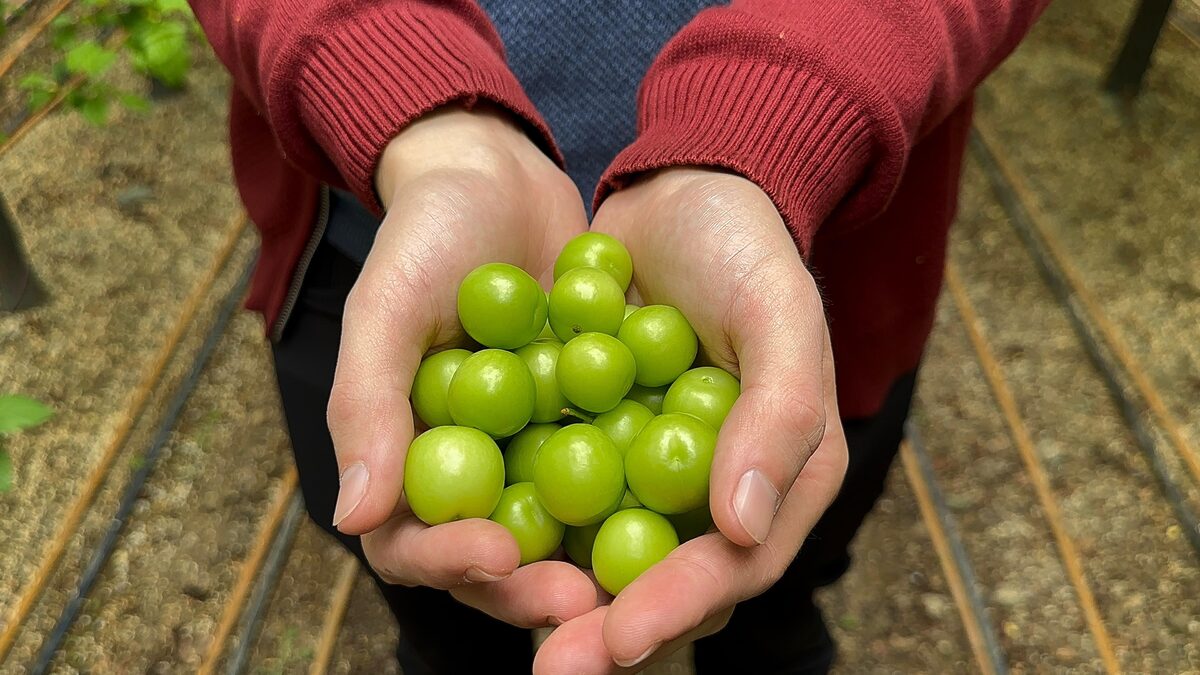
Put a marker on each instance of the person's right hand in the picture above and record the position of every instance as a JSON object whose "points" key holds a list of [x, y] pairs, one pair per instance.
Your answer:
{"points": [[461, 188]]}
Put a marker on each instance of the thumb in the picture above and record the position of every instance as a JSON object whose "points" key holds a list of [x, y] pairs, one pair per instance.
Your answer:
{"points": [[370, 419], [779, 336]]}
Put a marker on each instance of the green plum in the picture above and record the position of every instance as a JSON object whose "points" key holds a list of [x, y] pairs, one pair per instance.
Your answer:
{"points": [[629, 543], [432, 383], [578, 475], [708, 393], [452, 473], [493, 391], [667, 465], [691, 524], [577, 541], [522, 449], [662, 342], [586, 300], [537, 533], [628, 501], [594, 249], [623, 423], [547, 332], [630, 309], [595, 371], [651, 397], [500, 305], [540, 357]]}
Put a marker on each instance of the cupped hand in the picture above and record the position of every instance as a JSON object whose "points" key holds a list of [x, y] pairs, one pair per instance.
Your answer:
{"points": [[713, 245], [461, 188]]}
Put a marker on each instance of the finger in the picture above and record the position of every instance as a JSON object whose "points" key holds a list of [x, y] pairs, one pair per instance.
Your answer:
{"points": [[408, 552], [705, 576], [369, 416], [777, 329], [578, 647], [575, 648], [547, 593]]}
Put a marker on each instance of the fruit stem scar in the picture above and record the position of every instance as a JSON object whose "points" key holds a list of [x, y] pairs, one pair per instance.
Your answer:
{"points": [[578, 414]]}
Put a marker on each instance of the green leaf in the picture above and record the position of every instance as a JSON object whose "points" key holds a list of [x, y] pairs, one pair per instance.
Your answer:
{"points": [[134, 102], [89, 58], [174, 6], [37, 82], [95, 110], [63, 30], [37, 99], [6, 471], [161, 51], [21, 412]]}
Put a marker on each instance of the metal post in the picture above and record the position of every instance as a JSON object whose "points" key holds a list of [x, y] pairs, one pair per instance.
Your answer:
{"points": [[19, 287], [1129, 70]]}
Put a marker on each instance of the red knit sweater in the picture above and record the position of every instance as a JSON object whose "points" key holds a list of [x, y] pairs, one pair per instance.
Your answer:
{"points": [[851, 115]]}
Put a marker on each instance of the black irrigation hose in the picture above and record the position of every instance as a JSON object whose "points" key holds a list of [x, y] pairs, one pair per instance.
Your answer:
{"points": [[962, 561], [133, 489], [1104, 363], [268, 578]]}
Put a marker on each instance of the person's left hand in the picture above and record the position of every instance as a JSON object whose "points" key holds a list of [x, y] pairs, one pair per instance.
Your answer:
{"points": [[713, 245]]}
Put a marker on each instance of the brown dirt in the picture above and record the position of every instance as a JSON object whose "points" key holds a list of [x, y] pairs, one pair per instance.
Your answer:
{"points": [[118, 280], [292, 626]]}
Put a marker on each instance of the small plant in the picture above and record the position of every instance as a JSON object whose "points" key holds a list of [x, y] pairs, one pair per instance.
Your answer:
{"points": [[17, 413], [154, 35]]}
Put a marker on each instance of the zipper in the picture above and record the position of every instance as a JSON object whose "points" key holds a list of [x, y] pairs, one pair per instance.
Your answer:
{"points": [[310, 249]]}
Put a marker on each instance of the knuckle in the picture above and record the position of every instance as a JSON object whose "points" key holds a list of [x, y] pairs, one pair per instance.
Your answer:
{"points": [[801, 413], [346, 401], [700, 568]]}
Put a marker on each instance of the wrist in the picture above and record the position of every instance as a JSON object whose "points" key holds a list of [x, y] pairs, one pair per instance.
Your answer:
{"points": [[484, 138]]}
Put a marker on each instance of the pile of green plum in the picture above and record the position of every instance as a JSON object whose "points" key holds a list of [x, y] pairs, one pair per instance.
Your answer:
{"points": [[608, 430]]}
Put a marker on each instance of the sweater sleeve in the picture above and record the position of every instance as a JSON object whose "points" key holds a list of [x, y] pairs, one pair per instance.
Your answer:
{"points": [[818, 102], [336, 80]]}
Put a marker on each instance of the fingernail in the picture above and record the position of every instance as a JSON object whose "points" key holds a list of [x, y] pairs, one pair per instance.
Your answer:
{"points": [[633, 662], [474, 574], [353, 486], [755, 502], [554, 621]]}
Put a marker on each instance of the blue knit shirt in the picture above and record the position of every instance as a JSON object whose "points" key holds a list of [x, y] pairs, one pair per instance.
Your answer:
{"points": [[581, 64]]}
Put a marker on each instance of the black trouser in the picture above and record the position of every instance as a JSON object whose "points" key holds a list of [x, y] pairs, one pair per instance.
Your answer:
{"points": [[780, 631]]}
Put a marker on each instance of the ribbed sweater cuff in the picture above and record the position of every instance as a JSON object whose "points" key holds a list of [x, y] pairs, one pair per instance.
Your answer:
{"points": [[792, 134], [368, 77]]}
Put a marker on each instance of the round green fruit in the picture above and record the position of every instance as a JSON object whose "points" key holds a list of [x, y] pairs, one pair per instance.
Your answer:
{"points": [[623, 423], [577, 541], [432, 383], [630, 309], [452, 473], [595, 371], [691, 524], [629, 543], [492, 391], [537, 533], [500, 305], [601, 251], [540, 357], [578, 475], [651, 397], [586, 300], [668, 464], [662, 342], [522, 449], [708, 393]]}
